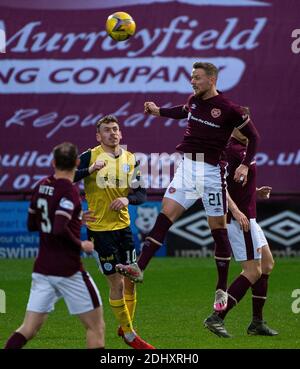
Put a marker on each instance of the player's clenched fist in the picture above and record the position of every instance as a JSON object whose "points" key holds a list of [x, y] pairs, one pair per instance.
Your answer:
{"points": [[151, 108], [99, 164]]}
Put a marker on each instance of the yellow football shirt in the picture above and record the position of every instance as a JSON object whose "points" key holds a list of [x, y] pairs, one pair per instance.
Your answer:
{"points": [[107, 184]]}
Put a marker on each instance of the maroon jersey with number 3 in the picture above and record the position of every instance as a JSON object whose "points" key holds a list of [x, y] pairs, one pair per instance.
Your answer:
{"points": [[55, 211]]}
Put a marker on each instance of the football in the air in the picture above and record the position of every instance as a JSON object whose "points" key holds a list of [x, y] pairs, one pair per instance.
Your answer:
{"points": [[120, 26]]}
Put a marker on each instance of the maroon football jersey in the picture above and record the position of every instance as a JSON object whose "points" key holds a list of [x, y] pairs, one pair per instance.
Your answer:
{"points": [[244, 197], [210, 124], [58, 255]]}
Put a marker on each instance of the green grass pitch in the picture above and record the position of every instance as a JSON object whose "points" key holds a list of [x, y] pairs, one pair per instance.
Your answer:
{"points": [[173, 301]]}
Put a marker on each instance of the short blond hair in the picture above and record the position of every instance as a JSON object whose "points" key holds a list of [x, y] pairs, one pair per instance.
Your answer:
{"points": [[210, 69]]}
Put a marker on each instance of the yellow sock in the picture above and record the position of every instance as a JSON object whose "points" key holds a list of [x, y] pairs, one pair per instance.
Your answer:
{"points": [[121, 312], [131, 303]]}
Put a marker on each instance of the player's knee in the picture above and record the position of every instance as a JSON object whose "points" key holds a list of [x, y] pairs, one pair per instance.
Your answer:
{"points": [[253, 273], [268, 266], [216, 222], [173, 216], [258, 273], [172, 210]]}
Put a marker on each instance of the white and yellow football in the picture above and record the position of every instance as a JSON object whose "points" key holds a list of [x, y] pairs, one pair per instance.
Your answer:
{"points": [[120, 26]]}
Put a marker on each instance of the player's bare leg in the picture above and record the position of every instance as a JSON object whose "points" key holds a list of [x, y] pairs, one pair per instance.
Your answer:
{"points": [[95, 327], [171, 211], [31, 325], [267, 261], [217, 225]]}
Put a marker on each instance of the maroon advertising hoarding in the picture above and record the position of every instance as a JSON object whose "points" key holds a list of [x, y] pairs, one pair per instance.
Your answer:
{"points": [[61, 73]]}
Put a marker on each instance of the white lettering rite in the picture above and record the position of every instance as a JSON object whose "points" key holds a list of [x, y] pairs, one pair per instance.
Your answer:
{"points": [[46, 190], [33, 38]]}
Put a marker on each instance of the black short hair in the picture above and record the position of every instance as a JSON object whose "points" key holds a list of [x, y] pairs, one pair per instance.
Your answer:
{"points": [[65, 156], [107, 119]]}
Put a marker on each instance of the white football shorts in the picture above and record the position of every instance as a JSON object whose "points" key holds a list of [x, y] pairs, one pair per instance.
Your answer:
{"points": [[246, 245], [79, 292], [195, 180]]}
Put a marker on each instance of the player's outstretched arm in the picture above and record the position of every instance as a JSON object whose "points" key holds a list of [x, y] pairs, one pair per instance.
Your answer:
{"points": [[174, 112]]}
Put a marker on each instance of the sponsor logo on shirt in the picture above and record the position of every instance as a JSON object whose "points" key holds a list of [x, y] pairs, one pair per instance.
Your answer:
{"points": [[126, 168], [66, 204], [206, 122]]}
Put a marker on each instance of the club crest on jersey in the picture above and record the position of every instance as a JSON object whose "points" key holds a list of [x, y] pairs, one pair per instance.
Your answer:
{"points": [[193, 106], [215, 113], [108, 267], [172, 189], [126, 168]]}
